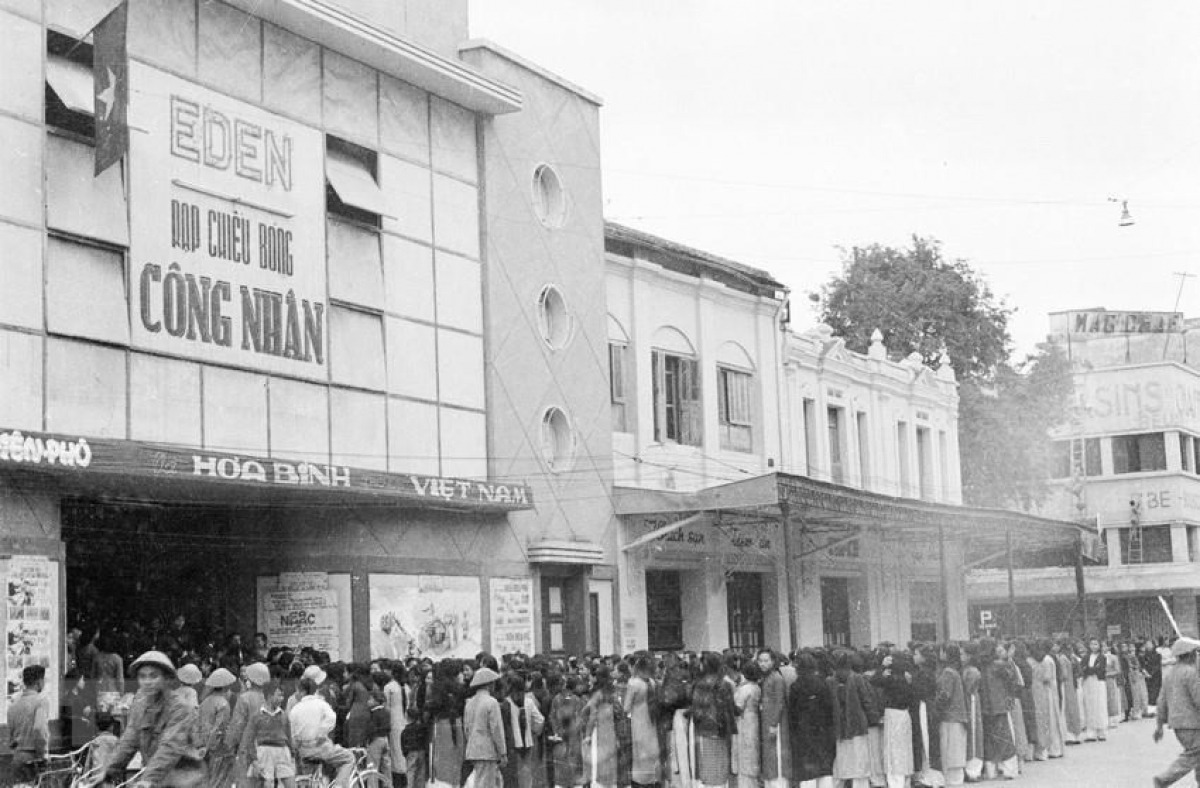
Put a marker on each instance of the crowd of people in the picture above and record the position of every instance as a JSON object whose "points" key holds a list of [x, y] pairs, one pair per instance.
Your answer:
{"points": [[921, 715]]}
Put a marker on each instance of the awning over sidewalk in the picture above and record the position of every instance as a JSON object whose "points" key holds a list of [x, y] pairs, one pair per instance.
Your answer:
{"points": [[816, 507]]}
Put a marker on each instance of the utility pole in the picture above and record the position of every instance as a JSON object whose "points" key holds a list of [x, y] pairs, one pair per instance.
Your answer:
{"points": [[1183, 277]]}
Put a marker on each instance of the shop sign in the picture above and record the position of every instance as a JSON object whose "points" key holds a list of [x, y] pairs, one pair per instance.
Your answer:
{"points": [[131, 458], [709, 537], [1102, 321], [512, 615], [17, 447], [227, 246]]}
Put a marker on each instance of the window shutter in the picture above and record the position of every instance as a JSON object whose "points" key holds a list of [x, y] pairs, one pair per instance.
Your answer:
{"points": [[692, 427]]}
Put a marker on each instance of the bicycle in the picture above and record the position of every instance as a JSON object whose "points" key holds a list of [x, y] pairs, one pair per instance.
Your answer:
{"points": [[363, 775], [63, 770]]}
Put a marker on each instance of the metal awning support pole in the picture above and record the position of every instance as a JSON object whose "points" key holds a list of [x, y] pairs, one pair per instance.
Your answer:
{"points": [[793, 608], [1080, 590], [944, 584], [1012, 589]]}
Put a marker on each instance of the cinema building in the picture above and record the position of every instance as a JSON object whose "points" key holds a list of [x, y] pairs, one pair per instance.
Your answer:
{"points": [[1126, 465], [311, 358], [773, 487]]}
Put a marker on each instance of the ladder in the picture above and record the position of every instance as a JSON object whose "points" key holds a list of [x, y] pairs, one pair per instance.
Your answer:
{"points": [[1135, 553]]}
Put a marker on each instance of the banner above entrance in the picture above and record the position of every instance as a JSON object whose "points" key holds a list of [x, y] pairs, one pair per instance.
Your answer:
{"points": [[112, 463]]}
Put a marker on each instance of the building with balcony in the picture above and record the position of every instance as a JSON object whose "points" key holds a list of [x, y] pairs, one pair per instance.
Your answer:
{"points": [[773, 487], [1127, 464]]}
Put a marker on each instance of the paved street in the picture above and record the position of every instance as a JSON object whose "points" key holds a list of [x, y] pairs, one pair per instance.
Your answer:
{"points": [[1126, 760]]}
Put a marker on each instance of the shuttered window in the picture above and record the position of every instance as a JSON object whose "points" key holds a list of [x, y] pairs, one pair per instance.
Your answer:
{"points": [[677, 414]]}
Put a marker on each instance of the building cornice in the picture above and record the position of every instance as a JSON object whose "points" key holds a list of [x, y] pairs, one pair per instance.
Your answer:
{"points": [[485, 45], [343, 32]]}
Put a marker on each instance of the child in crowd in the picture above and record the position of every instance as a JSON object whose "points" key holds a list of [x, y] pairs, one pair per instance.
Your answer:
{"points": [[104, 743], [266, 741], [414, 743]]}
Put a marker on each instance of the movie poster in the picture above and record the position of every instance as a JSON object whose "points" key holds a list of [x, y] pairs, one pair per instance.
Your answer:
{"points": [[306, 609], [31, 623], [425, 615]]}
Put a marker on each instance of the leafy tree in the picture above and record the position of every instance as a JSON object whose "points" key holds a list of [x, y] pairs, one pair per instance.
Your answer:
{"points": [[923, 302]]}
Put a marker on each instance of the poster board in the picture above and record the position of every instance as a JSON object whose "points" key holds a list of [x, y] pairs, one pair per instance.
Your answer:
{"points": [[31, 625], [511, 604], [425, 615], [307, 609]]}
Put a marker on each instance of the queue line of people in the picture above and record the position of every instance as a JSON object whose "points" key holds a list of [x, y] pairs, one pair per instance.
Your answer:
{"points": [[926, 715]]}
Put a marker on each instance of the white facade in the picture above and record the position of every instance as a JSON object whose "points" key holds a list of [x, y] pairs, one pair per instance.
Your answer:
{"points": [[1133, 472], [870, 423], [709, 389]]}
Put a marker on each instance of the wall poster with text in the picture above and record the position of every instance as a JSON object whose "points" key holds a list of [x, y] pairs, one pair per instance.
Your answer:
{"points": [[511, 605]]}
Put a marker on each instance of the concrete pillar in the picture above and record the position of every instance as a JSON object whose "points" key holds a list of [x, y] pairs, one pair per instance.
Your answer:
{"points": [[1112, 538], [810, 627], [1180, 553]]}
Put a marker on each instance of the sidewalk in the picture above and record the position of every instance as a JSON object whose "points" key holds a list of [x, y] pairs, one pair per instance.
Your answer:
{"points": [[1127, 760]]}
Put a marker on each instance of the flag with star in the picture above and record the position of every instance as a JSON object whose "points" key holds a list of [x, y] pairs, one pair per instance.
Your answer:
{"points": [[110, 77]]}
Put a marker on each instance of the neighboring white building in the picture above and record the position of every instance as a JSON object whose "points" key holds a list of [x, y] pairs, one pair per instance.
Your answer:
{"points": [[1129, 464], [738, 444]]}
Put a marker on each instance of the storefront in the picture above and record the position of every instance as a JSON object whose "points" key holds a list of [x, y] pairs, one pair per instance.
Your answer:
{"points": [[355, 562], [782, 559]]}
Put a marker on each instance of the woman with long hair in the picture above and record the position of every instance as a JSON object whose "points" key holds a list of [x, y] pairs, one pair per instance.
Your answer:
{"points": [[999, 683], [853, 708], [1093, 668], [810, 722], [1046, 708], [893, 680], [605, 729], [747, 699], [444, 703], [972, 679], [641, 701], [712, 713], [776, 750], [950, 705], [564, 733]]}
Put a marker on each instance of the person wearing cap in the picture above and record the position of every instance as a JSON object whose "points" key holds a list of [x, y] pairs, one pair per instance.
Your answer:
{"points": [[249, 701], [312, 672], [1179, 706], [215, 713], [188, 676], [161, 727], [484, 728]]}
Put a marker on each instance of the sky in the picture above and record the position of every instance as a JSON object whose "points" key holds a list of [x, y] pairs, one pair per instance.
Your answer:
{"points": [[780, 133]]}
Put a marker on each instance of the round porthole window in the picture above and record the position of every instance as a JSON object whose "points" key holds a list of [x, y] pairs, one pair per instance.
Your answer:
{"points": [[554, 318], [558, 440], [549, 199]]}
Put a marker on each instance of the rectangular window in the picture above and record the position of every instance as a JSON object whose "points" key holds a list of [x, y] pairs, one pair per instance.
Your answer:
{"points": [[70, 103], [1155, 545], [837, 471], [1144, 452], [77, 201], [1065, 454], [734, 409], [355, 264], [864, 451], [351, 182], [925, 480], [902, 453], [356, 348], [617, 385], [1196, 455], [85, 292], [677, 415], [810, 437], [744, 603], [944, 463], [664, 611], [1186, 451]]}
